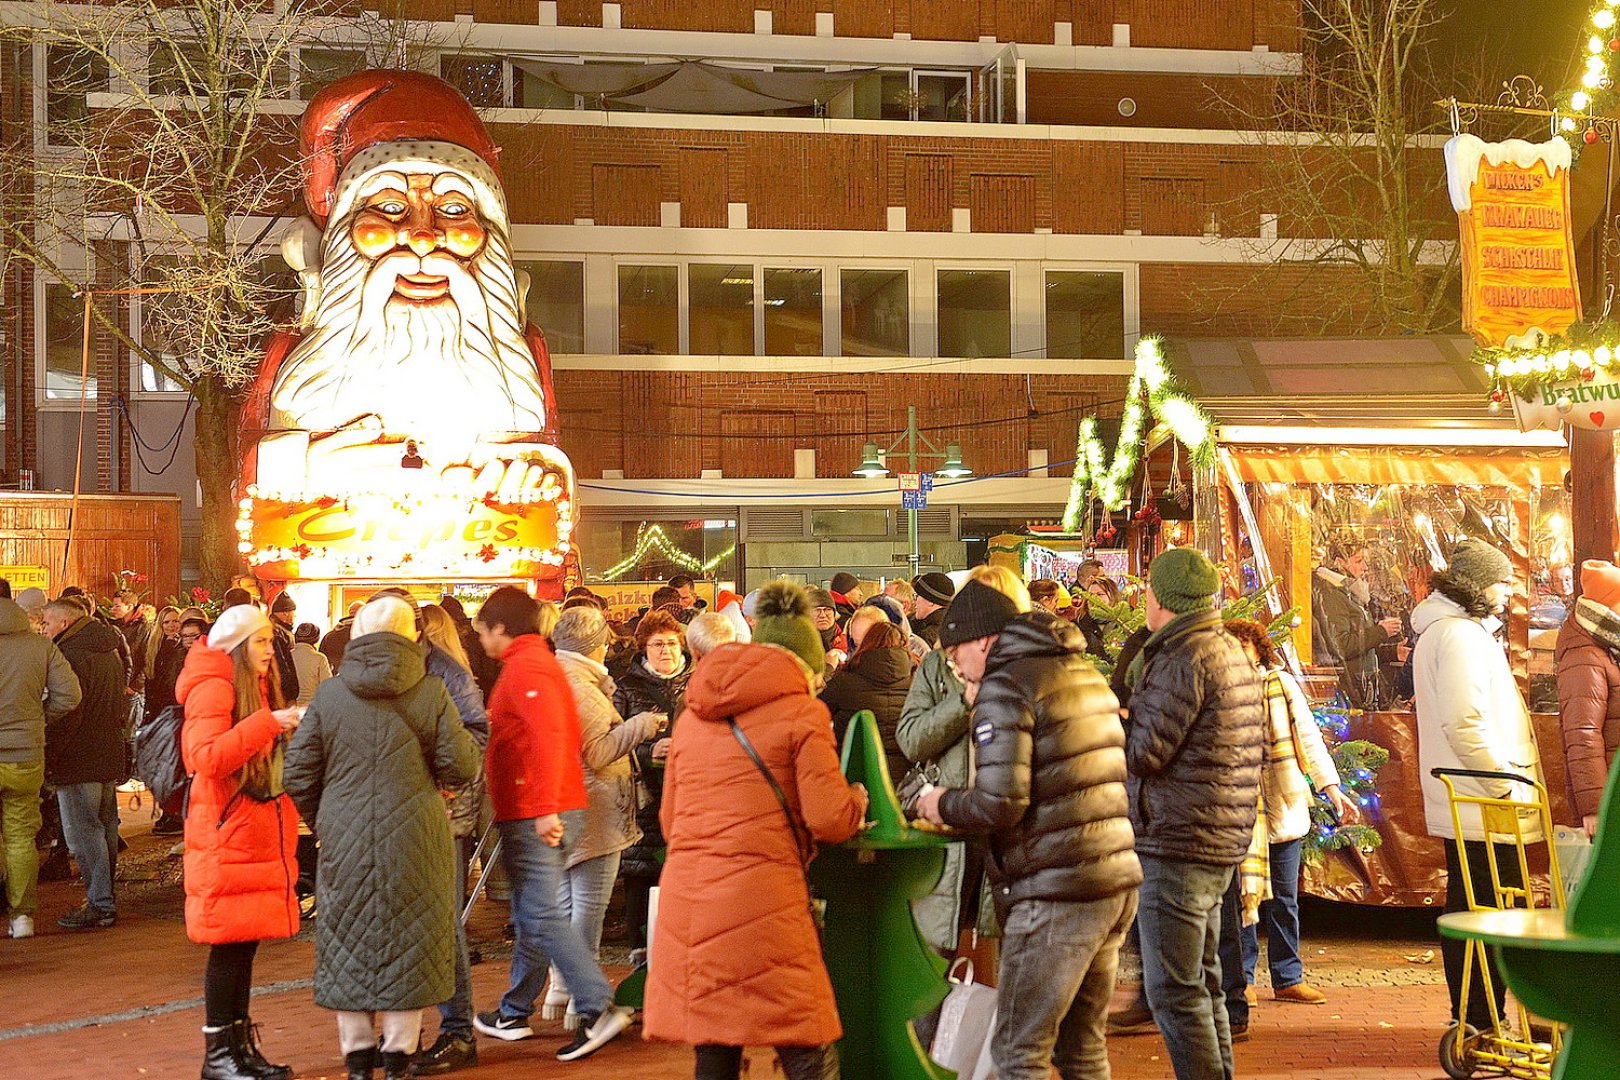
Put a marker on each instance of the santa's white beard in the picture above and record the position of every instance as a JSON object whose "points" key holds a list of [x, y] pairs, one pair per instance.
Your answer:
{"points": [[442, 373]]}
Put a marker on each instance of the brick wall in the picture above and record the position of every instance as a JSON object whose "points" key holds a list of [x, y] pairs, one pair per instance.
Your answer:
{"points": [[673, 425]]}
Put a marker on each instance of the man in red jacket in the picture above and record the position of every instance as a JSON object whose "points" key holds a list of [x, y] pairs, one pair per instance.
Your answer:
{"points": [[532, 767]]}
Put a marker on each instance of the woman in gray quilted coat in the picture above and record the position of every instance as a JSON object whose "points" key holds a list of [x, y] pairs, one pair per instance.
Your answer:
{"points": [[376, 746]]}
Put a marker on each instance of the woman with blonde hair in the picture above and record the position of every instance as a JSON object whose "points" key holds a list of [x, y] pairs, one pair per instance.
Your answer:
{"points": [[241, 828], [1004, 581]]}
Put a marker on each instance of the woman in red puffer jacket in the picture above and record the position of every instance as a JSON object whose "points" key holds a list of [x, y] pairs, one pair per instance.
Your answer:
{"points": [[241, 829]]}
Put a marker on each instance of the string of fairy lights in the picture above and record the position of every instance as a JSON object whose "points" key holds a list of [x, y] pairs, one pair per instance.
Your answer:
{"points": [[1154, 392]]}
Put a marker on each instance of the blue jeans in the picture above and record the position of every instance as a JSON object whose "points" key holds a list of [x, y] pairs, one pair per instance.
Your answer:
{"points": [[583, 896], [90, 827], [1240, 945], [455, 1015], [1180, 923], [544, 934]]}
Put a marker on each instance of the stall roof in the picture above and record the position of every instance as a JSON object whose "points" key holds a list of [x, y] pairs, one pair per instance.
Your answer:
{"points": [[1408, 382]]}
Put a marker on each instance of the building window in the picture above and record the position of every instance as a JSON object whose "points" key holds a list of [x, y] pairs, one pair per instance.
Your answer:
{"points": [[317, 67], [70, 74], [529, 91], [556, 303], [1085, 315], [720, 299], [975, 313], [481, 80], [649, 310], [876, 313], [64, 346], [793, 313]]}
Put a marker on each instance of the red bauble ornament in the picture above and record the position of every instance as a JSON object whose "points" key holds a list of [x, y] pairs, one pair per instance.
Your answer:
{"points": [[1591, 136], [1614, 45], [1588, 374]]}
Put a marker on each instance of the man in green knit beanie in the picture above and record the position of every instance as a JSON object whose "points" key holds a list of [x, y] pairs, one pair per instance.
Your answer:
{"points": [[1194, 740]]}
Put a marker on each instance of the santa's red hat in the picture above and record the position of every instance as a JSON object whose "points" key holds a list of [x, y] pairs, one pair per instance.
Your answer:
{"points": [[401, 121]]}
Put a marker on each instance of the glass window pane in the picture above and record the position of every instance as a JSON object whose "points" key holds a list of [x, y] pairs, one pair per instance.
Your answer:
{"points": [[877, 313], [942, 97], [317, 67], [1085, 315], [649, 310], [721, 303], [529, 91], [64, 344], [481, 80], [70, 74], [975, 313], [556, 303], [898, 102], [793, 313]]}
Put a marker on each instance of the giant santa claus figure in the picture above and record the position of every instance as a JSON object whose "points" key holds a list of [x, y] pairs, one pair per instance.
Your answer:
{"points": [[413, 367]]}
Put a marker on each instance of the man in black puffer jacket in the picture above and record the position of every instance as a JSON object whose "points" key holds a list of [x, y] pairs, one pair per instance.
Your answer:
{"points": [[1050, 791], [1194, 742]]}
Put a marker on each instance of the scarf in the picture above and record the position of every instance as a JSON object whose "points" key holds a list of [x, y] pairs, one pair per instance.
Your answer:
{"points": [[1601, 622]]}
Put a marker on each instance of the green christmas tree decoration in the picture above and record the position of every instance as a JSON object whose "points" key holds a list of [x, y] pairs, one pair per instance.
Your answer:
{"points": [[1358, 762]]}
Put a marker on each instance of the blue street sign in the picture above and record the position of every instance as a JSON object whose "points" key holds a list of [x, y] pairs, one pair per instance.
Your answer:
{"points": [[927, 481], [914, 500]]}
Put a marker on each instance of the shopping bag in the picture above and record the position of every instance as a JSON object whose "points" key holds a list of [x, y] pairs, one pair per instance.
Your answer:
{"points": [[984, 1068], [1574, 853], [966, 1019]]}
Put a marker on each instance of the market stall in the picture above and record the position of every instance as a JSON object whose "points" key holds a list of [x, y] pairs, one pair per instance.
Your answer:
{"points": [[1290, 497]]}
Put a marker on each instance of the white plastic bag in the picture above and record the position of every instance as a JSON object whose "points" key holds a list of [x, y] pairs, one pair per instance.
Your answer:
{"points": [[1574, 852], [985, 1067], [966, 1019]]}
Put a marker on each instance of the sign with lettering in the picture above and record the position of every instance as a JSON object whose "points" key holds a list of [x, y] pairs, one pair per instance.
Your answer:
{"points": [[914, 500], [384, 537], [625, 598], [1593, 405], [1518, 249], [26, 577]]}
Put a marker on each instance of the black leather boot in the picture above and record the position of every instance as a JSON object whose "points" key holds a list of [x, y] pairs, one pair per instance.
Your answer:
{"points": [[248, 1038], [396, 1064], [222, 1056], [361, 1063]]}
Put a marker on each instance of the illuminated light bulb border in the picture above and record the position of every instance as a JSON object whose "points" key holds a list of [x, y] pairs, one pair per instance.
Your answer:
{"points": [[1594, 92], [1152, 390], [1587, 350]]}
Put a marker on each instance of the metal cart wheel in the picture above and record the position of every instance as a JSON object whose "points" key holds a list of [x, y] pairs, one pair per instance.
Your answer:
{"points": [[1463, 1066]]}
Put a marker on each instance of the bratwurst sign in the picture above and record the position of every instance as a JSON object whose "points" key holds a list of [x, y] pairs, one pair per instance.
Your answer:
{"points": [[1518, 252]]}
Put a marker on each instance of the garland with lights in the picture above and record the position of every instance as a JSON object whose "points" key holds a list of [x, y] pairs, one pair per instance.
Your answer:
{"points": [[1152, 390], [651, 538], [1358, 762], [1595, 96], [1587, 349]]}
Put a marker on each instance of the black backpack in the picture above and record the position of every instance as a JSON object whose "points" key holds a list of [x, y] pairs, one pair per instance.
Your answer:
{"points": [[158, 763]]}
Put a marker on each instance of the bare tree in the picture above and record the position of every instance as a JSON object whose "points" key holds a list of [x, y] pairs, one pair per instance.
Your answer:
{"points": [[1358, 235], [173, 137]]}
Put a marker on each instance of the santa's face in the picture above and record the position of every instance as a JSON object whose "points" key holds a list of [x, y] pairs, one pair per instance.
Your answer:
{"points": [[428, 216]]}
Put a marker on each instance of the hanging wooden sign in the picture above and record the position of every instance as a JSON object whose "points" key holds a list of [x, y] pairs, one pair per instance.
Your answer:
{"points": [[1518, 250]]}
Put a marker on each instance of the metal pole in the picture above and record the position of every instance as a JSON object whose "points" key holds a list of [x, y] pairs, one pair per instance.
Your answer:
{"points": [[911, 515]]}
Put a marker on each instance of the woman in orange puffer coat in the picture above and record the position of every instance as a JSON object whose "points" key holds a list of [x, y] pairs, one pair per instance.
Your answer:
{"points": [[735, 957], [241, 829]]}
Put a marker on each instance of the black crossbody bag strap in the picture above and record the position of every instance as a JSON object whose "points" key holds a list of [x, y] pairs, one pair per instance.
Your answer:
{"points": [[805, 845]]}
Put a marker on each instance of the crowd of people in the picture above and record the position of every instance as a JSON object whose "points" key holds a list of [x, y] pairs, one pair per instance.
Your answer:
{"points": [[694, 747]]}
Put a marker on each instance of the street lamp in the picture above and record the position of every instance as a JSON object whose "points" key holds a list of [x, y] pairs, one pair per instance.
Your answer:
{"points": [[952, 468]]}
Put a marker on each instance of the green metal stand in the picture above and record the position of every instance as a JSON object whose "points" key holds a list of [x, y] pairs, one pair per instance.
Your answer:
{"points": [[883, 973], [1565, 965]]}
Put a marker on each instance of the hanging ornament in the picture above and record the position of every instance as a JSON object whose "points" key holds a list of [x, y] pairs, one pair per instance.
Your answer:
{"points": [[1591, 136], [1588, 374], [1564, 402]]}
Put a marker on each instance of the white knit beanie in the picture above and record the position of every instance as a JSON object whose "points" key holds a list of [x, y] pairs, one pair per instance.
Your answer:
{"points": [[386, 615], [235, 625]]}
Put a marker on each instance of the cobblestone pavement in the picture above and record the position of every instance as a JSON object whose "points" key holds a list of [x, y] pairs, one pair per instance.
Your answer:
{"points": [[126, 1002]]}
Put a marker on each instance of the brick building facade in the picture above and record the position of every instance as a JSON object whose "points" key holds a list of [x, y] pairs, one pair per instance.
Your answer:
{"points": [[976, 213]]}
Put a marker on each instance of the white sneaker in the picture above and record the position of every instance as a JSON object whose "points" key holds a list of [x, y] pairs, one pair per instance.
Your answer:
{"points": [[556, 1002], [595, 1032], [22, 926]]}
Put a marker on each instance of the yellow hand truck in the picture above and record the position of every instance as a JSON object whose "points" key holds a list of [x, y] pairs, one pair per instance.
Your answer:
{"points": [[1465, 1051]]}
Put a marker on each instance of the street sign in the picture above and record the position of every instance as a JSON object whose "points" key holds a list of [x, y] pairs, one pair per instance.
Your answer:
{"points": [[910, 481], [926, 481], [914, 500]]}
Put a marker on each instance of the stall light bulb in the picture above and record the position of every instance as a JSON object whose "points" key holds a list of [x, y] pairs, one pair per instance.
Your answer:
{"points": [[1581, 358], [1590, 80], [1602, 354], [1603, 18], [1566, 124], [1579, 100]]}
